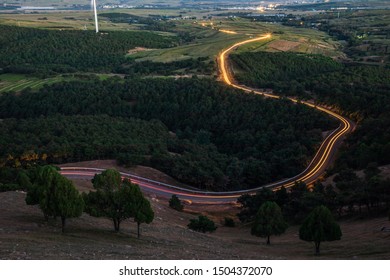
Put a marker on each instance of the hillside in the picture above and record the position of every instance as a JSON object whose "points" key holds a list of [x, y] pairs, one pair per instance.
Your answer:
{"points": [[25, 235]]}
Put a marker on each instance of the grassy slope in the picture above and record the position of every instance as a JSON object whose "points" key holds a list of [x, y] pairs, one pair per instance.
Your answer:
{"points": [[25, 235]]}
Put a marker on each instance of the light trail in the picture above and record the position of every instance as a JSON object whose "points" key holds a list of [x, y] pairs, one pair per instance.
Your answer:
{"points": [[313, 171], [227, 31]]}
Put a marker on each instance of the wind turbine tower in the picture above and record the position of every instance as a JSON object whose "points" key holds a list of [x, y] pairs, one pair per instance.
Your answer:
{"points": [[96, 18]]}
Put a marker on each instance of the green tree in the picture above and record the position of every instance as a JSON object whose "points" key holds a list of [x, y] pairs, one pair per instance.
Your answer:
{"points": [[175, 203], [109, 180], [202, 224], [56, 195], [109, 200], [115, 199], [42, 191], [143, 214], [24, 180], [69, 202], [269, 221], [320, 226]]}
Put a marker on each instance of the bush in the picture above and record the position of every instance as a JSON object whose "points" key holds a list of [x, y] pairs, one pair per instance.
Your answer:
{"points": [[175, 203], [229, 222], [202, 224], [10, 187]]}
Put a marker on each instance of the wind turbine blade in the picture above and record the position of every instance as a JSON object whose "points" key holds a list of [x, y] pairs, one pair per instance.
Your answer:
{"points": [[93, 2]]}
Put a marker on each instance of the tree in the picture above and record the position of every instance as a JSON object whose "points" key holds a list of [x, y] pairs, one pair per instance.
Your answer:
{"points": [[320, 226], [269, 221], [116, 199], [24, 180], [202, 224], [143, 214], [109, 200], [109, 180], [56, 195], [250, 204], [175, 203], [41, 192], [69, 202]]}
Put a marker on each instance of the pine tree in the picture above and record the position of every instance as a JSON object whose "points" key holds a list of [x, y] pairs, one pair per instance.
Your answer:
{"points": [[269, 221], [320, 226], [56, 195], [117, 200], [69, 202], [143, 214]]}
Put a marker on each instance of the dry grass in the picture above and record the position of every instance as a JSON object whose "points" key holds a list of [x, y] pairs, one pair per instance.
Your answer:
{"points": [[25, 235]]}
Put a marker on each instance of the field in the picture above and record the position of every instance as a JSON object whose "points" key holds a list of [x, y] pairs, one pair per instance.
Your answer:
{"points": [[209, 36], [365, 34], [17, 82], [213, 40]]}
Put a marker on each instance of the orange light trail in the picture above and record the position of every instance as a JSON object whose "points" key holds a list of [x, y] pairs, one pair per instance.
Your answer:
{"points": [[228, 31], [327, 144]]}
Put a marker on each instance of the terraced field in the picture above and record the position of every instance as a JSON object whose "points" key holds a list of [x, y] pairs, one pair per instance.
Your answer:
{"points": [[16, 83]]}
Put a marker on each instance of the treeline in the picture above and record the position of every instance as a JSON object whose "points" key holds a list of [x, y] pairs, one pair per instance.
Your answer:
{"points": [[28, 50], [221, 138], [58, 139], [349, 196], [359, 91]]}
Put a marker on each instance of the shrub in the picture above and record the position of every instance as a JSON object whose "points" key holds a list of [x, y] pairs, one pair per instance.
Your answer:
{"points": [[229, 222], [10, 187], [175, 203], [202, 224]]}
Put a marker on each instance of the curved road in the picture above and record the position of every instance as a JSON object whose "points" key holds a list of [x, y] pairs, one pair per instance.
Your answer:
{"points": [[314, 170]]}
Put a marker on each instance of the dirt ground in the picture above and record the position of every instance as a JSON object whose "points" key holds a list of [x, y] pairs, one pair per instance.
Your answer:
{"points": [[283, 45]]}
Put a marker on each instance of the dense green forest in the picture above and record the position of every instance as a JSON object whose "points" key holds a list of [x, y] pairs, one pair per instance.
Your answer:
{"points": [[359, 91], [73, 138], [366, 196], [218, 140], [28, 50]]}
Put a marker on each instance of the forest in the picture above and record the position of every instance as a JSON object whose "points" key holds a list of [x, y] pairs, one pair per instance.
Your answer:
{"points": [[216, 140], [351, 195], [45, 52], [358, 91]]}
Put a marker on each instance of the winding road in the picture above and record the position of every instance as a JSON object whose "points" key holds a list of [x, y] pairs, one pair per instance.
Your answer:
{"points": [[314, 170]]}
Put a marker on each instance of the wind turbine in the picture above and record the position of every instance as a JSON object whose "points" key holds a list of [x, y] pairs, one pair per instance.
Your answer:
{"points": [[93, 4]]}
